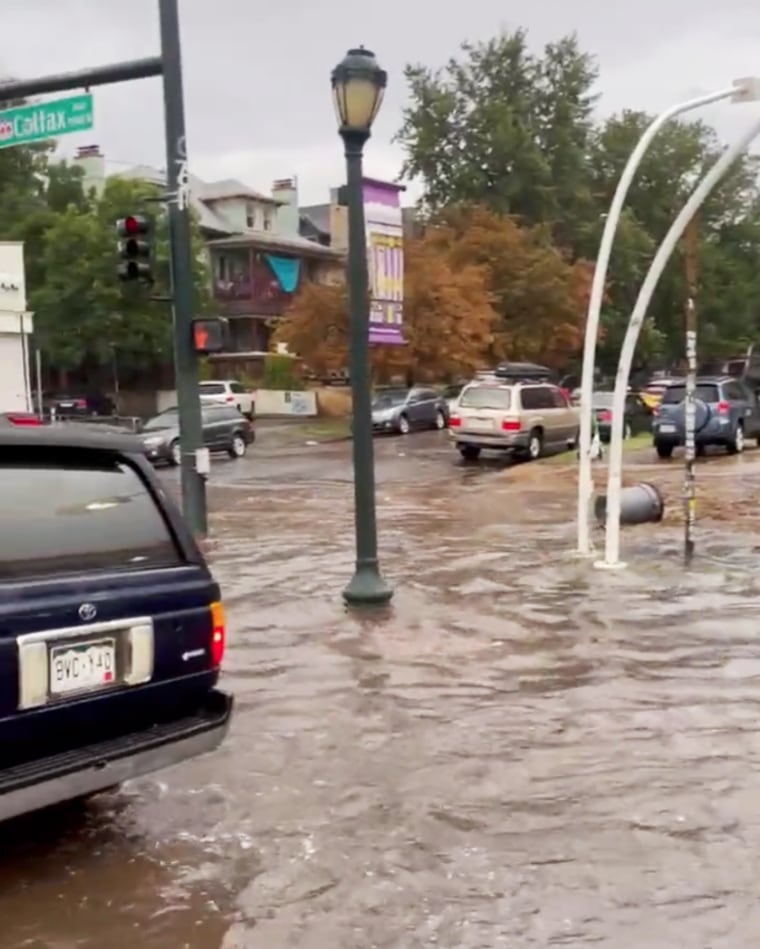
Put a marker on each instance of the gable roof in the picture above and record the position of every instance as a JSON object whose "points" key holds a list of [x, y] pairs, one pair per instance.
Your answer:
{"points": [[208, 219], [232, 188]]}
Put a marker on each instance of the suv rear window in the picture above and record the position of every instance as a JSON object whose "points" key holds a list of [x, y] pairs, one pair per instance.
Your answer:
{"points": [[705, 393], [212, 388], [76, 511], [486, 397]]}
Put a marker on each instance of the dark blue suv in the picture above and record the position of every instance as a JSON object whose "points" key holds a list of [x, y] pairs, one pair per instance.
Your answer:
{"points": [[727, 414], [111, 625]]}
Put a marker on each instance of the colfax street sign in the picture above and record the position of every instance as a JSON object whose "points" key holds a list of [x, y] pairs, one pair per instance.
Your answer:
{"points": [[34, 123]]}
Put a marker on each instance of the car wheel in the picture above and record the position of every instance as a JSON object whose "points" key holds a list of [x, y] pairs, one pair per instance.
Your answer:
{"points": [[440, 420], [627, 431], [535, 445], [736, 445], [663, 449], [175, 453], [238, 447], [403, 425], [470, 452]]}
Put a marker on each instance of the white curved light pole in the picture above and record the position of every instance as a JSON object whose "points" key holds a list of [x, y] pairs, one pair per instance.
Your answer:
{"points": [[664, 252], [741, 90]]}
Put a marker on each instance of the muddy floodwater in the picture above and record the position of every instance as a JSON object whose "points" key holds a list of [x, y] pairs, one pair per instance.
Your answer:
{"points": [[521, 751]]}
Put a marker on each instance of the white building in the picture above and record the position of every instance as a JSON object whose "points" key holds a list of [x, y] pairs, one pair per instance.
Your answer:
{"points": [[15, 330]]}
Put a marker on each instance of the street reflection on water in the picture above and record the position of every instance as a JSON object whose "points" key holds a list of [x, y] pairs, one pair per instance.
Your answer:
{"points": [[520, 751]]}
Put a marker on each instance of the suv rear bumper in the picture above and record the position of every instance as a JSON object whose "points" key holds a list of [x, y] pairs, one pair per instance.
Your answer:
{"points": [[496, 442], [84, 771]]}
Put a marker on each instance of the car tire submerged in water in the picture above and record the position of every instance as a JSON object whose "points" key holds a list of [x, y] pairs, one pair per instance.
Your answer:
{"points": [[736, 445], [238, 447], [403, 425], [175, 453], [663, 449], [627, 431], [440, 420], [469, 452]]}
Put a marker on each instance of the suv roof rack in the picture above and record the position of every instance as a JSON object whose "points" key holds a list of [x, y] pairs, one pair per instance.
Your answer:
{"points": [[523, 372]]}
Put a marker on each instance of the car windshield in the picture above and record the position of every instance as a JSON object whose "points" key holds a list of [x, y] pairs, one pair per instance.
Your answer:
{"points": [[212, 388], [387, 400], [486, 397], [673, 395], [167, 419]]}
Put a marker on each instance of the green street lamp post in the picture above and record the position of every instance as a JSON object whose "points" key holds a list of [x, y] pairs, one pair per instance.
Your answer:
{"points": [[358, 84]]}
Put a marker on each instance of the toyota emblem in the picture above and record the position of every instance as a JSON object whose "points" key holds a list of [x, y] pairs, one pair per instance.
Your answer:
{"points": [[87, 612]]}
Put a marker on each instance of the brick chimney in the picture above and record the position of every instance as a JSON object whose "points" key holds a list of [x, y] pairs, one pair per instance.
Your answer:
{"points": [[91, 160], [286, 191]]}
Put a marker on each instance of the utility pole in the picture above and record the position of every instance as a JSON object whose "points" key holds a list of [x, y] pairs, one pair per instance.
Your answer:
{"points": [[194, 465], [689, 487]]}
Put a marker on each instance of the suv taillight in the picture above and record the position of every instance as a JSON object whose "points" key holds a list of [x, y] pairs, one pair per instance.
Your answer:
{"points": [[217, 635], [511, 425], [723, 408], [455, 421], [605, 416]]}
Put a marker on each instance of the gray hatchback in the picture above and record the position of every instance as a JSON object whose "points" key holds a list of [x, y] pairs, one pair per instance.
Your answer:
{"points": [[401, 410], [224, 429], [727, 414]]}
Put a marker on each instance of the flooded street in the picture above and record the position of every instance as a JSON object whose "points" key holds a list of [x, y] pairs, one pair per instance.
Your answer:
{"points": [[522, 751]]}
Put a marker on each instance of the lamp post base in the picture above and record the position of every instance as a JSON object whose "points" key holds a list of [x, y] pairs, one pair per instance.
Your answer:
{"points": [[367, 588]]}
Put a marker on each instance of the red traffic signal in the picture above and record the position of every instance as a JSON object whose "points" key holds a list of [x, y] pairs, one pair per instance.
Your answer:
{"points": [[135, 248], [210, 335], [133, 225]]}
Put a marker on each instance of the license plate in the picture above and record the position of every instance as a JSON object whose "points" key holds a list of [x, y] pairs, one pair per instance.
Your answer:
{"points": [[66, 405], [77, 667], [668, 429], [480, 424]]}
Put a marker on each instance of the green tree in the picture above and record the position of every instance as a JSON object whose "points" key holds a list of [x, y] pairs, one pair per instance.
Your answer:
{"points": [[505, 129], [728, 301], [83, 312]]}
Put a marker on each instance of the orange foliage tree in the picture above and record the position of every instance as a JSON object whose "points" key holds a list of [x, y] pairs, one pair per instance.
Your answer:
{"points": [[541, 296], [449, 321]]}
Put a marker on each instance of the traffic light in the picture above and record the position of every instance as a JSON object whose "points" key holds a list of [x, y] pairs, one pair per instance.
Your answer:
{"points": [[210, 335], [135, 248]]}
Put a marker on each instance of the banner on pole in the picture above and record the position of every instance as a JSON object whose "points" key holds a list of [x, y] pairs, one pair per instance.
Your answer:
{"points": [[385, 251]]}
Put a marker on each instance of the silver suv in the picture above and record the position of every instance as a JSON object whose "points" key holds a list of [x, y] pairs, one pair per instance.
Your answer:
{"points": [[524, 418]]}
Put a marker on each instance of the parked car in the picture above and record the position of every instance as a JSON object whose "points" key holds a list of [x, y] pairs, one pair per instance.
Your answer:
{"points": [[112, 629], [224, 429], [637, 417], [651, 393], [74, 404], [228, 392], [401, 410], [727, 413], [8, 419], [451, 393], [520, 417]]}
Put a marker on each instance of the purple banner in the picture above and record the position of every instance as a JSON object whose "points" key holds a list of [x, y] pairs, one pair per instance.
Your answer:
{"points": [[385, 250]]}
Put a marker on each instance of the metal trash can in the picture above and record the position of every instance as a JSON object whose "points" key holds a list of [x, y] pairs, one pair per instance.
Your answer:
{"points": [[640, 504]]}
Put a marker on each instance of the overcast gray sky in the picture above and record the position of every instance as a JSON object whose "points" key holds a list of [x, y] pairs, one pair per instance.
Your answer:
{"points": [[257, 74]]}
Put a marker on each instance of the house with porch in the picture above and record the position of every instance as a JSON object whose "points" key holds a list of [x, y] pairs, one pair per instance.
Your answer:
{"points": [[258, 259]]}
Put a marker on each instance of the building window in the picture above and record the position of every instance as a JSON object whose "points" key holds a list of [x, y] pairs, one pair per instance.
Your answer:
{"points": [[267, 220], [221, 267], [250, 216]]}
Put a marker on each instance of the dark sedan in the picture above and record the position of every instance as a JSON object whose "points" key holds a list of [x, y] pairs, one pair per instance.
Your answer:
{"points": [[637, 419], [224, 429], [401, 410]]}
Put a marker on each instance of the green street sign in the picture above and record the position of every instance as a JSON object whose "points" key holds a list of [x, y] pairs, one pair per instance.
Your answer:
{"points": [[34, 123]]}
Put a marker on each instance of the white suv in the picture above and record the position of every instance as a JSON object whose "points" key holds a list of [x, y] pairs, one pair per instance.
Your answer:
{"points": [[523, 418], [228, 392]]}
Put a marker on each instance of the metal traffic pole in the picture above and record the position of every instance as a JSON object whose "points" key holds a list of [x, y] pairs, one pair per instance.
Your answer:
{"points": [[193, 466], [689, 485]]}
